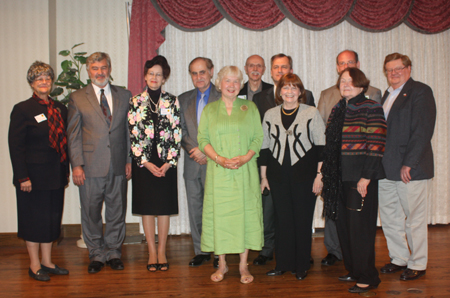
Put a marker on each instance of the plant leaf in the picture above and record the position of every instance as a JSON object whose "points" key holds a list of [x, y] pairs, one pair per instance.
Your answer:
{"points": [[78, 44], [56, 92], [62, 84], [80, 53], [66, 64], [64, 53]]}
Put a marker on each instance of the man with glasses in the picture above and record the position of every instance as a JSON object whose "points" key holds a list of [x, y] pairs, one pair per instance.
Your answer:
{"points": [[410, 112], [254, 68], [192, 102], [328, 99]]}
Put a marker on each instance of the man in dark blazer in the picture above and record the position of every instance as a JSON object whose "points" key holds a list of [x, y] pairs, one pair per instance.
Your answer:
{"points": [[280, 65], [410, 112], [99, 145], [254, 68], [328, 99], [201, 71]]}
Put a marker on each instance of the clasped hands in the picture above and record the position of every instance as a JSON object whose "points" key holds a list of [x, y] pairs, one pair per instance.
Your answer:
{"points": [[232, 163], [157, 171]]}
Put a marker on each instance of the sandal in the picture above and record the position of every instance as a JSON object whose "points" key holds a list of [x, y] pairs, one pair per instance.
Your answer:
{"points": [[217, 276], [152, 266], [164, 265], [246, 279]]}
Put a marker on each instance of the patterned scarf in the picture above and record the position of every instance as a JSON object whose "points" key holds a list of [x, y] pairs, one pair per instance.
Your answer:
{"points": [[57, 132], [331, 168]]}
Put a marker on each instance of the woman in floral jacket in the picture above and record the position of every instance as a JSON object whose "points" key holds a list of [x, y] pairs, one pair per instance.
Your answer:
{"points": [[155, 133]]}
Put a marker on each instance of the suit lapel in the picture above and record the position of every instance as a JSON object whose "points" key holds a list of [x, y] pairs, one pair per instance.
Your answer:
{"points": [[191, 110], [92, 99], [116, 102], [402, 97], [271, 97]]}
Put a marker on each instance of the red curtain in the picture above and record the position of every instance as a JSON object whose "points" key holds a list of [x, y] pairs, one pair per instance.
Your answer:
{"points": [[430, 16], [150, 17], [250, 14], [145, 38], [188, 15], [320, 14], [379, 15]]}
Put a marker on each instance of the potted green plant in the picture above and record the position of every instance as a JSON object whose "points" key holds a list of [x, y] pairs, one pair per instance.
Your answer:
{"points": [[69, 79]]}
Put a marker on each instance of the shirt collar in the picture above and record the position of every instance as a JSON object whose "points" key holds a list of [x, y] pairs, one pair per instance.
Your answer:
{"points": [[207, 92]]}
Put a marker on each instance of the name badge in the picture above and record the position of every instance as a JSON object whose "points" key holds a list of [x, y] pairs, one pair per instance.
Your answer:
{"points": [[39, 118], [165, 111]]}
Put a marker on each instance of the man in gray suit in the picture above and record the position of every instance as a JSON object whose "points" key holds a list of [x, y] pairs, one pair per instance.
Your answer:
{"points": [[280, 65], [99, 144], [328, 99], [410, 112], [192, 103]]}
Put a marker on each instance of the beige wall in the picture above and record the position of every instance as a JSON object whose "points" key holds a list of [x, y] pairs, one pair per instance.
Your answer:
{"points": [[24, 38]]}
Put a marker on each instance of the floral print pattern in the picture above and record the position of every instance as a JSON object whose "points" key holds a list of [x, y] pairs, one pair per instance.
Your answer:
{"points": [[142, 131]]}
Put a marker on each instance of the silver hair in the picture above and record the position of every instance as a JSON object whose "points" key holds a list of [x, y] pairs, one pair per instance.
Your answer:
{"points": [[97, 57], [37, 69], [226, 71]]}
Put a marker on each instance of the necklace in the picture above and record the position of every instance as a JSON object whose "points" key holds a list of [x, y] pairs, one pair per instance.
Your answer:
{"points": [[289, 114], [150, 106]]}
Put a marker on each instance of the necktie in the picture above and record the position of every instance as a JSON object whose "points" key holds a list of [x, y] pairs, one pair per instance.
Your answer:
{"points": [[201, 105], [105, 107]]}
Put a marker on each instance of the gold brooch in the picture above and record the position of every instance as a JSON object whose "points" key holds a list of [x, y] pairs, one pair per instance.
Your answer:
{"points": [[244, 108]]}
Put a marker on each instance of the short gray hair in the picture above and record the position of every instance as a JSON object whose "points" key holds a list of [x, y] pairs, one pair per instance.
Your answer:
{"points": [[37, 69], [227, 71], [97, 57]]}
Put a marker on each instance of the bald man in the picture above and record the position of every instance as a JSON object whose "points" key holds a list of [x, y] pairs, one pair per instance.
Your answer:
{"points": [[254, 68]]}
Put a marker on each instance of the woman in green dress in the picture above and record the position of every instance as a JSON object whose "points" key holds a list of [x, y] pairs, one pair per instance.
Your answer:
{"points": [[230, 134]]}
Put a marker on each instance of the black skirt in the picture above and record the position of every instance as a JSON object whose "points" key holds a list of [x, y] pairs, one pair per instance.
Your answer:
{"points": [[154, 195], [39, 214]]}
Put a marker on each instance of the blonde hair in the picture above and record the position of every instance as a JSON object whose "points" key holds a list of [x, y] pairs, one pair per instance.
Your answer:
{"points": [[229, 70]]}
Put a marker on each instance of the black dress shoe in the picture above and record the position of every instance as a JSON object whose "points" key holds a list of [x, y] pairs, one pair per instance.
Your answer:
{"points": [[301, 275], [199, 259], [216, 263], [115, 264], [275, 272], [329, 260], [356, 289], [95, 266], [311, 260], [261, 260], [40, 275], [346, 277], [391, 268], [409, 274], [57, 270]]}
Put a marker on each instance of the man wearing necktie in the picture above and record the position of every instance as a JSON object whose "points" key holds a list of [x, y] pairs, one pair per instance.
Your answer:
{"points": [[99, 144], [410, 112], [192, 103]]}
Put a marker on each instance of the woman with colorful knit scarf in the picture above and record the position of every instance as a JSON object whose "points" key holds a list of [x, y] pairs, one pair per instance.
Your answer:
{"points": [[38, 150], [355, 140]]}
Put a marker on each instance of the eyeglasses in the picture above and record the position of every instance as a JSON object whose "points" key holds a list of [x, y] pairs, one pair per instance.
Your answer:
{"points": [[351, 62], [43, 80], [158, 74], [396, 70]]}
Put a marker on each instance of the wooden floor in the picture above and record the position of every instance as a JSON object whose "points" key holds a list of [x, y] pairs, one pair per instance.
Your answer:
{"points": [[184, 281]]}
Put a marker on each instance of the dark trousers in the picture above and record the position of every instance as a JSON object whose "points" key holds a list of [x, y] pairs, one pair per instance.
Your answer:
{"points": [[294, 204], [357, 231]]}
